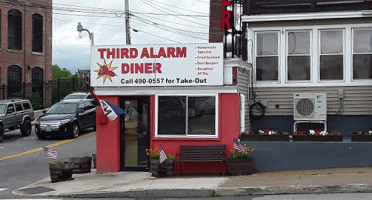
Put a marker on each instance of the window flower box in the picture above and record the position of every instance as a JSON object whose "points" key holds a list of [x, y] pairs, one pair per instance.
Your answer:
{"points": [[317, 135], [360, 136], [266, 135]]}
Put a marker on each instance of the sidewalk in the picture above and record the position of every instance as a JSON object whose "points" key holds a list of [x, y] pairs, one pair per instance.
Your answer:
{"points": [[142, 185]]}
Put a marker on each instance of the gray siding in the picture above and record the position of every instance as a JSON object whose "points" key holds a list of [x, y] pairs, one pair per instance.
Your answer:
{"points": [[357, 99], [243, 88]]}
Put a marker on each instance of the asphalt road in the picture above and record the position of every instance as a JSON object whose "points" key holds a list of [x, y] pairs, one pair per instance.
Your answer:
{"points": [[22, 160]]}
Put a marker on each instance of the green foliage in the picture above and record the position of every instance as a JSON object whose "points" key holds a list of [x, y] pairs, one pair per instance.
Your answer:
{"points": [[55, 162], [63, 73], [170, 157], [36, 100], [155, 156], [237, 154]]}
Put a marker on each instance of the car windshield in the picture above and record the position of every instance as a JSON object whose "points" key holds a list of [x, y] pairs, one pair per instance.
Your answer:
{"points": [[75, 96], [63, 108], [2, 108]]}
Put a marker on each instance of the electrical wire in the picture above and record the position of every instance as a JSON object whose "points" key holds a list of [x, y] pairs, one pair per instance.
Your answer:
{"points": [[137, 30]]}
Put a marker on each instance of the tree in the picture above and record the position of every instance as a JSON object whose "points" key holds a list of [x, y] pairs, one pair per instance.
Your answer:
{"points": [[58, 73]]}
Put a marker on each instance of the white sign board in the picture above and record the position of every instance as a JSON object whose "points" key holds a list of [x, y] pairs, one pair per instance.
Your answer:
{"points": [[157, 65]]}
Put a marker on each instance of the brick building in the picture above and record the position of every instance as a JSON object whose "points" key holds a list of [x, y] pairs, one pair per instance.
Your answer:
{"points": [[26, 47]]}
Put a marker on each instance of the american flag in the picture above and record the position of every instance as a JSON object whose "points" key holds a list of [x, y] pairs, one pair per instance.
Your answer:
{"points": [[238, 146], [163, 156], [52, 154]]}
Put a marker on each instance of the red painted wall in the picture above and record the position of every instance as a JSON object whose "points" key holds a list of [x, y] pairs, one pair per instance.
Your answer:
{"points": [[229, 127], [108, 140], [108, 136]]}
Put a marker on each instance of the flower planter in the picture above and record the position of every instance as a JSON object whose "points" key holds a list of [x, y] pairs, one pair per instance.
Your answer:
{"points": [[61, 171], [164, 169], [81, 164], [319, 138], [256, 137], [361, 138], [240, 166]]}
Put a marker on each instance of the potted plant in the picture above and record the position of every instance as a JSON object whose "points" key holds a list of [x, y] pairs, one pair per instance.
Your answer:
{"points": [[60, 171], [81, 164], [266, 135], [360, 136], [160, 169], [240, 163], [317, 135]]}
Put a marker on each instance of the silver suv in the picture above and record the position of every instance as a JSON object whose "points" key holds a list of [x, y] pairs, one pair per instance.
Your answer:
{"points": [[16, 113]]}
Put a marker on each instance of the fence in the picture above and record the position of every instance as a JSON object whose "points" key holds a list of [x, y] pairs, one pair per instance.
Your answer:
{"points": [[44, 93]]}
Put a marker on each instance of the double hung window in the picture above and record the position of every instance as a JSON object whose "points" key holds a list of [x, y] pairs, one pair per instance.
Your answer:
{"points": [[267, 56], [362, 54]]}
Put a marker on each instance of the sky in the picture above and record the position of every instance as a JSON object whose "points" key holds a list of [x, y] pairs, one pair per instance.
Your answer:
{"points": [[154, 22]]}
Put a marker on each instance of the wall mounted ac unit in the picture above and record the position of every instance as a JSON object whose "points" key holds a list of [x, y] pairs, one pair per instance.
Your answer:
{"points": [[310, 106]]}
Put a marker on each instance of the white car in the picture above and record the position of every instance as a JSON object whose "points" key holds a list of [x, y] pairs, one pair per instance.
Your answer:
{"points": [[78, 95]]}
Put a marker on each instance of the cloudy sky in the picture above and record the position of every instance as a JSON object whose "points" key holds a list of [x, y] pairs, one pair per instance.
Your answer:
{"points": [[155, 22]]}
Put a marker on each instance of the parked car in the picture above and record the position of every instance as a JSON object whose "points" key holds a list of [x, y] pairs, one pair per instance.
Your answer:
{"points": [[78, 95], [16, 113], [66, 118]]}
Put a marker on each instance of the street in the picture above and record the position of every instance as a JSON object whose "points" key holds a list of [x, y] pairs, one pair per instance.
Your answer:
{"points": [[22, 160]]}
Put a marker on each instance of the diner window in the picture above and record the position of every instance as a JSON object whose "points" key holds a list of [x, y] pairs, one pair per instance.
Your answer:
{"points": [[14, 29], [187, 115], [267, 56], [298, 56], [37, 33], [362, 54], [331, 63]]}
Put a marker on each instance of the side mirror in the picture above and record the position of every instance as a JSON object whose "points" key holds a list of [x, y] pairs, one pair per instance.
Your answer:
{"points": [[44, 111]]}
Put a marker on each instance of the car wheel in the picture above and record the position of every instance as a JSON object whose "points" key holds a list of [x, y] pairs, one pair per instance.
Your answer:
{"points": [[26, 128], [38, 134], [1, 133], [11, 128], [75, 130]]}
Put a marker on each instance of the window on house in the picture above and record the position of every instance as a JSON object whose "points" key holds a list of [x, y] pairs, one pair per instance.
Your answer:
{"points": [[298, 55], [362, 54], [14, 29], [187, 115], [37, 33], [267, 56], [331, 55]]}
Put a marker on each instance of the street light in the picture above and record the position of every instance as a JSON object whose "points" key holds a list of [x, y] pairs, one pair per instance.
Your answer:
{"points": [[80, 28]]}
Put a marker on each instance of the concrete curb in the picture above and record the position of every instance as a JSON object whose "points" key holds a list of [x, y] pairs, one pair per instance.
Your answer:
{"points": [[155, 193], [294, 190], [242, 191]]}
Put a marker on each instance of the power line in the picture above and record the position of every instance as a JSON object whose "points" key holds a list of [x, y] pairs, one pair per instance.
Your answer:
{"points": [[137, 30]]}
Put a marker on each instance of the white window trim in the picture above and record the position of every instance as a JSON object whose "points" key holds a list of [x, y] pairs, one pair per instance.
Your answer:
{"points": [[343, 55], [187, 136], [352, 53], [278, 54], [286, 57], [348, 68]]}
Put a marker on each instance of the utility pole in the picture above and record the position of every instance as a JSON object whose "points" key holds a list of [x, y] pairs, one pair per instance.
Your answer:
{"points": [[127, 28]]}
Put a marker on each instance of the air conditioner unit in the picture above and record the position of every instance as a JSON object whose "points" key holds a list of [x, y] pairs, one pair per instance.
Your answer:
{"points": [[310, 106]]}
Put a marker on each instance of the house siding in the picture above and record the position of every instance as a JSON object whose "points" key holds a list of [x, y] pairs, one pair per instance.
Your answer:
{"points": [[356, 101]]}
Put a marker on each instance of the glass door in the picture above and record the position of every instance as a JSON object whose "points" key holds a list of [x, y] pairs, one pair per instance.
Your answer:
{"points": [[135, 133]]}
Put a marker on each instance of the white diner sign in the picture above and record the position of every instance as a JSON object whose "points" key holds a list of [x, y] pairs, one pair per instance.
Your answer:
{"points": [[157, 65]]}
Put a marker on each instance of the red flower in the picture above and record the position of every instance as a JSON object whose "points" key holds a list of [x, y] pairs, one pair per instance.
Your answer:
{"points": [[267, 131], [251, 132]]}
